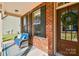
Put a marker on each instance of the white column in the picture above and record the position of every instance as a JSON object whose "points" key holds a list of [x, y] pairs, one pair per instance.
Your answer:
{"points": [[0, 33]]}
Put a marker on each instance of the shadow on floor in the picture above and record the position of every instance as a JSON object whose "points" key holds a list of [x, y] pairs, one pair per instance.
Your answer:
{"points": [[8, 46], [27, 50], [0, 53]]}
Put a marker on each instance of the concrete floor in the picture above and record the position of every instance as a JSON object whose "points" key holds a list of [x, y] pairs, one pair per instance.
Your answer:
{"points": [[58, 54], [36, 52], [31, 51]]}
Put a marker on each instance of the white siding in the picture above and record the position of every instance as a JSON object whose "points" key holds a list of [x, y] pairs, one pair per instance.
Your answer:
{"points": [[11, 23]]}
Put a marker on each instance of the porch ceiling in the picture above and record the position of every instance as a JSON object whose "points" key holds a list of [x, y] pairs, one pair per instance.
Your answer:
{"points": [[22, 7]]}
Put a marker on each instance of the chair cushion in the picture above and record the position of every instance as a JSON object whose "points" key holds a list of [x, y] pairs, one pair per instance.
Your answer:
{"points": [[17, 41], [19, 36], [24, 36]]}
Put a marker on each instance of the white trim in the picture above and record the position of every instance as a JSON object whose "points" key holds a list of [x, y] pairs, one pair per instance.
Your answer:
{"points": [[54, 28], [0, 33], [66, 5]]}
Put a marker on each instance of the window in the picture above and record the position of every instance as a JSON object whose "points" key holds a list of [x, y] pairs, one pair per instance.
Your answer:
{"points": [[25, 24], [39, 22], [30, 24], [69, 25]]}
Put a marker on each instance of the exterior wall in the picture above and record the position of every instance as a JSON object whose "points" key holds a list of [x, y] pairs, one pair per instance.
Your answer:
{"points": [[50, 27], [46, 44]]}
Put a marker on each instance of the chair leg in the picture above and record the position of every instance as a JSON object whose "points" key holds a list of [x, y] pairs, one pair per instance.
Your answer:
{"points": [[20, 45]]}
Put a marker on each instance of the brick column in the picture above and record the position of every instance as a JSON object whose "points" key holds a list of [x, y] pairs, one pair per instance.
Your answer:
{"points": [[50, 27]]}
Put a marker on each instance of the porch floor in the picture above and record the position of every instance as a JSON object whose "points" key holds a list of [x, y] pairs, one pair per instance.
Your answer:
{"points": [[14, 50]]}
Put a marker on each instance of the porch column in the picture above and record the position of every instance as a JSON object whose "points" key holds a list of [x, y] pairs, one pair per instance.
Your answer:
{"points": [[0, 33], [50, 27], [22, 28]]}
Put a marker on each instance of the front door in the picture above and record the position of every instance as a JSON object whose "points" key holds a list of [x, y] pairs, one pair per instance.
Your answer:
{"points": [[67, 30]]}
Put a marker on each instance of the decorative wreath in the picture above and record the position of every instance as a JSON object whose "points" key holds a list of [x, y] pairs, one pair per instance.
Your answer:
{"points": [[73, 17]]}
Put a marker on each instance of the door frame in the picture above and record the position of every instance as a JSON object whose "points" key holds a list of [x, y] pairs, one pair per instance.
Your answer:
{"points": [[56, 45]]}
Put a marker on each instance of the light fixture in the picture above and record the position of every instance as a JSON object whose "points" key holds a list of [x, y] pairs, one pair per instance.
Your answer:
{"points": [[16, 10]]}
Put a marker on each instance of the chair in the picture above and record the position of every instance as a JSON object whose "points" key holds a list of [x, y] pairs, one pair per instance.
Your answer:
{"points": [[21, 38]]}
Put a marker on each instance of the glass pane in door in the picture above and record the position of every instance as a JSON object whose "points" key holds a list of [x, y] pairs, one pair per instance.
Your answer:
{"points": [[62, 32], [74, 36], [74, 25], [69, 25]]}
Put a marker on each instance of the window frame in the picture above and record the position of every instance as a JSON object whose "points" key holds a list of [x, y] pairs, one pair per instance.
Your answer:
{"points": [[69, 30], [43, 34], [24, 25]]}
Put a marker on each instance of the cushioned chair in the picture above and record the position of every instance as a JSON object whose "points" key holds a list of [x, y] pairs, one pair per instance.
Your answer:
{"points": [[21, 38]]}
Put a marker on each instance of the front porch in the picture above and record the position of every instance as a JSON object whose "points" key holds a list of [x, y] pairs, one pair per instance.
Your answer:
{"points": [[11, 49], [24, 23], [48, 33]]}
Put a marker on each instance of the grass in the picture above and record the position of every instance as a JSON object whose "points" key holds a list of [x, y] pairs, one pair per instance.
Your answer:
{"points": [[8, 37]]}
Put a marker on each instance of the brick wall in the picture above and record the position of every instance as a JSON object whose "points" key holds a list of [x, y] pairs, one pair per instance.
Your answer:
{"points": [[50, 27], [45, 44]]}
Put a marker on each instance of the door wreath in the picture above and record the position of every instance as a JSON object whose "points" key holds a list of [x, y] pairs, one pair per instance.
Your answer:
{"points": [[73, 17]]}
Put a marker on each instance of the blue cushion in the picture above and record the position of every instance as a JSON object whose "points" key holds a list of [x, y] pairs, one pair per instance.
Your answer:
{"points": [[19, 36], [17, 41], [24, 36]]}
